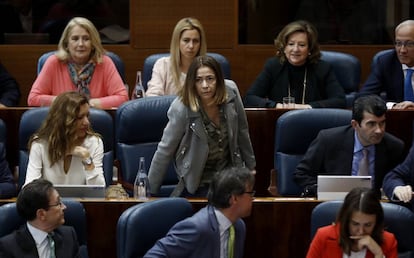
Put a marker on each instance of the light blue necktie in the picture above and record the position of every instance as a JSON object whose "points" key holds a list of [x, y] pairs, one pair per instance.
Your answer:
{"points": [[51, 245], [408, 87]]}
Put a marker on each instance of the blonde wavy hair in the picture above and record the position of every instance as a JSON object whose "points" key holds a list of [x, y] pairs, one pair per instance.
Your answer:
{"points": [[97, 52], [59, 128]]}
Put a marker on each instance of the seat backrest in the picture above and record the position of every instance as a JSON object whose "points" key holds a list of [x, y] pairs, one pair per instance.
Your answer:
{"points": [[75, 216], [397, 219], [140, 226], [3, 132], [295, 130], [139, 127], [100, 120], [119, 64], [150, 61], [375, 58], [347, 69]]}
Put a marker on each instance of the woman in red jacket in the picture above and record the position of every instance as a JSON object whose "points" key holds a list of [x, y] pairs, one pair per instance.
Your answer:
{"points": [[358, 231]]}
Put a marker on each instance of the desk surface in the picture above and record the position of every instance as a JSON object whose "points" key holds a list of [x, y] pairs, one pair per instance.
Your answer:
{"points": [[277, 227]]}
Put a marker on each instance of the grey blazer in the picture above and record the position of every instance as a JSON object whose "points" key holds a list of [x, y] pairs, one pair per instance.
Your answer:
{"points": [[185, 140]]}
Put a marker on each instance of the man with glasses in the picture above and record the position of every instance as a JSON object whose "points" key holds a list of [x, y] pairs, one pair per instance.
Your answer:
{"points": [[392, 72], [42, 235], [216, 230]]}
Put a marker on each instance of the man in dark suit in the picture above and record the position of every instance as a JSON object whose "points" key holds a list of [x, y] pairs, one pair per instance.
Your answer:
{"points": [[209, 232], [7, 184], [390, 69], [399, 182], [43, 235], [9, 89], [339, 150]]}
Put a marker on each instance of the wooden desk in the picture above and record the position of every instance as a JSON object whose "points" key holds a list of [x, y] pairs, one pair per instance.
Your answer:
{"points": [[276, 228], [262, 123]]}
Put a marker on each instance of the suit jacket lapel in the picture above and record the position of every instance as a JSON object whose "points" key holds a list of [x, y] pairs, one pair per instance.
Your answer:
{"points": [[26, 241]]}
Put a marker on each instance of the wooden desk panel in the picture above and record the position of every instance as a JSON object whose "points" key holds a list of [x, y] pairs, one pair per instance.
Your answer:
{"points": [[276, 228]]}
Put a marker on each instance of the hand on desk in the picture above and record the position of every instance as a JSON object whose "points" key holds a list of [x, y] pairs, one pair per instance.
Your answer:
{"points": [[403, 193], [403, 105]]}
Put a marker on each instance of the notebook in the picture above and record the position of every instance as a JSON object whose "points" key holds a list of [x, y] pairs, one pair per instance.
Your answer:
{"points": [[337, 187], [81, 191]]}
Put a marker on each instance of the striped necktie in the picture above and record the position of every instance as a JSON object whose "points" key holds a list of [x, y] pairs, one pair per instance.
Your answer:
{"points": [[230, 243], [408, 87]]}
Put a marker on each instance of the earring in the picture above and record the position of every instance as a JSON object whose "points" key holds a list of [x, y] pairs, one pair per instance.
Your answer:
{"points": [[309, 53]]}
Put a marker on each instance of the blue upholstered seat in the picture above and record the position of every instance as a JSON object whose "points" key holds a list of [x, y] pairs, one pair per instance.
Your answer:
{"points": [[100, 120], [150, 61], [139, 127], [295, 130], [347, 69], [397, 219], [75, 216], [141, 225]]}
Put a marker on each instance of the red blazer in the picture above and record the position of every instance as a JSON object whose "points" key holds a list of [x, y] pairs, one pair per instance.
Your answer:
{"points": [[325, 244]]}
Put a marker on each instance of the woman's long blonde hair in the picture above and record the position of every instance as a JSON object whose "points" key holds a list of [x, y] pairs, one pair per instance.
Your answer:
{"points": [[175, 55], [59, 128]]}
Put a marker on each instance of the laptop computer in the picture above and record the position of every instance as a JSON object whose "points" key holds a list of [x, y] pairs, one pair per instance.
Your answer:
{"points": [[81, 191], [336, 187]]}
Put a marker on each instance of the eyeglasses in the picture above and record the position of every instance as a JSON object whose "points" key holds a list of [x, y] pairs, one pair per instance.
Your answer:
{"points": [[251, 193], [407, 44], [59, 203], [209, 80]]}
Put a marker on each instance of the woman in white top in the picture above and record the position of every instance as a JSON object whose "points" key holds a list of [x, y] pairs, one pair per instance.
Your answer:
{"points": [[168, 74], [65, 149]]}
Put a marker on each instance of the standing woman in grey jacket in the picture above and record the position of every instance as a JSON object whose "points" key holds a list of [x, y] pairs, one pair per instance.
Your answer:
{"points": [[206, 133]]}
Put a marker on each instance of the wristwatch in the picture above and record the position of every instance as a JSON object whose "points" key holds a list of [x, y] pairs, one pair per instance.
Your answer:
{"points": [[87, 162]]}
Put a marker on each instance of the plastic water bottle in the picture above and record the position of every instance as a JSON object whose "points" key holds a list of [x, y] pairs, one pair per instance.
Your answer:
{"points": [[141, 184], [139, 91]]}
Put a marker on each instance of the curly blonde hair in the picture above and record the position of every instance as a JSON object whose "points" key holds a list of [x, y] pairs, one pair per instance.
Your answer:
{"points": [[97, 52], [58, 129]]}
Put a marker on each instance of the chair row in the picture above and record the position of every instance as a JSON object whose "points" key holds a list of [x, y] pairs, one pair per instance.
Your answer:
{"points": [[347, 68], [148, 64], [139, 227]]}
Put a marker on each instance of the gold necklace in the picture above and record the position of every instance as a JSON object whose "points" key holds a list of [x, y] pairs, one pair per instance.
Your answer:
{"points": [[304, 87]]}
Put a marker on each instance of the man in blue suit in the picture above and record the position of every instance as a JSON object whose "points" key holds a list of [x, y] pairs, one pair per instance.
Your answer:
{"points": [[399, 182], [209, 232], [390, 69], [43, 235]]}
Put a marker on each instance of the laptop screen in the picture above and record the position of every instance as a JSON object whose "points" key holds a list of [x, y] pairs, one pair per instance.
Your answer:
{"points": [[81, 191], [337, 187]]}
